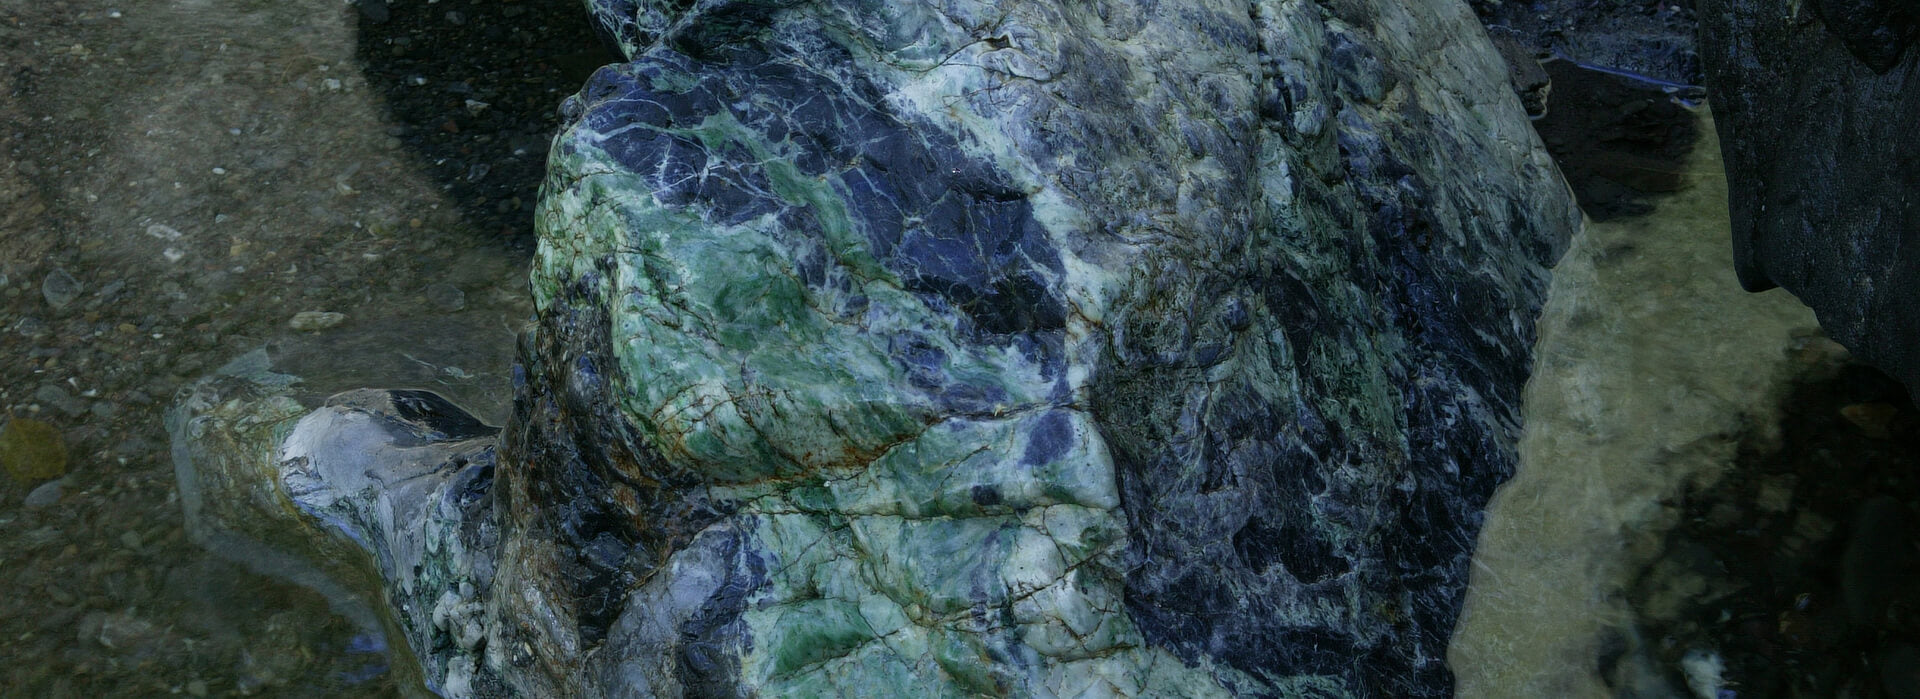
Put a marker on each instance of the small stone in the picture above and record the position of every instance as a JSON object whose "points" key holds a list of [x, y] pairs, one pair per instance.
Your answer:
{"points": [[53, 396], [32, 450], [1873, 419], [316, 320], [105, 410], [130, 539], [112, 288], [60, 288], [47, 494], [30, 326], [198, 688], [446, 297]]}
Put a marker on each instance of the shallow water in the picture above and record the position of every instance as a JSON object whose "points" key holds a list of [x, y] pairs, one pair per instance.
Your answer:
{"points": [[1651, 367], [205, 170]]}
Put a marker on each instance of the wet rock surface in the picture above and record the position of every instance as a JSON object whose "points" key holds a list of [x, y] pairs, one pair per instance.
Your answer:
{"points": [[1818, 102], [1048, 349]]}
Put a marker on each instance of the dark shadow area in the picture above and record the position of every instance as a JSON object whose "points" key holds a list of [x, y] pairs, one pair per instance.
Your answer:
{"points": [[475, 90], [1618, 140], [1798, 568]]}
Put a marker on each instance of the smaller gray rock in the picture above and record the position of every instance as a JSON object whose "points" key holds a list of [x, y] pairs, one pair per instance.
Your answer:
{"points": [[53, 396], [446, 297], [29, 326], [309, 321], [106, 293], [48, 493], [60, 288]]}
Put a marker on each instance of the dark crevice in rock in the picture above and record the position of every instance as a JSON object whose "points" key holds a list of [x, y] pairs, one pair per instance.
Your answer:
{"points": [[473, 88], [581, 471], [1797, 568], [1620, 142]]}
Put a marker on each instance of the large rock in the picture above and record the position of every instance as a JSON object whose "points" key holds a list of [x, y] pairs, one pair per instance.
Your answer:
{"points": [[952, 348], [1817, 103]]}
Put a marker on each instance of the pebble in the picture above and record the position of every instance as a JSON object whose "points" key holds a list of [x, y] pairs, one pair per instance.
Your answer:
{"points": [[60, 288], [106, 293], [1873, 419], [47, 494], [316, 320], [53, 396], [198, 688], [29, 326], [446, 297]]}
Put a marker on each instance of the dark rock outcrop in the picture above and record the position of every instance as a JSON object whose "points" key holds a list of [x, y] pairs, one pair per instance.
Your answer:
{"points": [[1817, 105], [963, 348]]}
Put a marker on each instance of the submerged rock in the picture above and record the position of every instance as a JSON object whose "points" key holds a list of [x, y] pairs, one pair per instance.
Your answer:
{"points": [[310, 321], [957, 349]]}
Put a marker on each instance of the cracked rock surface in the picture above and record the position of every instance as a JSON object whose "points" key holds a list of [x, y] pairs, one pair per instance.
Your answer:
{"points": [[962, 348]]}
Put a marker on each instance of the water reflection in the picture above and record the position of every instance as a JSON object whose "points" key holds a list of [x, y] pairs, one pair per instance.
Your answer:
{"points": [[183, 179]]}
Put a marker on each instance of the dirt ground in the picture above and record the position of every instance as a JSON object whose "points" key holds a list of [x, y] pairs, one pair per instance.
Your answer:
{"points": [[203, 171]]}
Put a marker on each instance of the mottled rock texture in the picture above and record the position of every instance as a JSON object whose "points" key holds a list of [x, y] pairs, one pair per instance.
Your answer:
{"points": [[949, 348], [1651, 39], [1817, 105]]}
